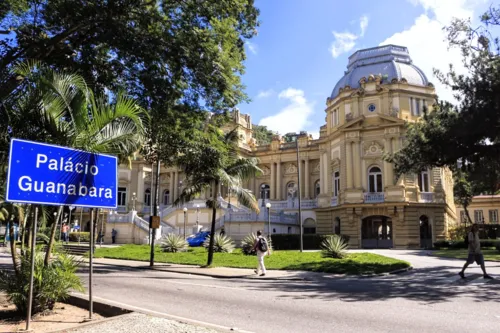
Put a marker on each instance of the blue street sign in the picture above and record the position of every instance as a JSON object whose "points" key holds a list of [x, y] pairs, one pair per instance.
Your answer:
{"points": [[76, 227], [40, 173]]}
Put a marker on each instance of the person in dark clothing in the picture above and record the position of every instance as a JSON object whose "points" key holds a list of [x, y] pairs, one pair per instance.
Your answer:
{"points": [[222, 231]]}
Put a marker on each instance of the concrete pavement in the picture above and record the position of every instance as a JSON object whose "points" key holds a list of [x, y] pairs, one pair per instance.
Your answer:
{"points": [[430, 298]]}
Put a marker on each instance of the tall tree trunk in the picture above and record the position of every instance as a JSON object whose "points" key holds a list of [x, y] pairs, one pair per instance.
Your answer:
{"points": [[25, 219], [467, 214], [212, 229], [52, 236], [13, 249]]}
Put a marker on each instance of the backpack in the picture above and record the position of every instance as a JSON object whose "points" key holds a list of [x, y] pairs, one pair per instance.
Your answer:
{"points": [[262, 244]]}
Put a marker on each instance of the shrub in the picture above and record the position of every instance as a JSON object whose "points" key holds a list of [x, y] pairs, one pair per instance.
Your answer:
{"points": [[221, 243], [334, 246], [84, 236], [248, 242], [173, 243], [51, 283]]}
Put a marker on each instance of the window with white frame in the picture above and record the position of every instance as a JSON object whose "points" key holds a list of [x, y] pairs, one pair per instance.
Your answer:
{"points": [[335, 117], [122, 196], [336, 184], [147, 197], [417, 107], [317, 188], [375, 180], [463, 217], [493, 214], [478, 216], [423, 181]]}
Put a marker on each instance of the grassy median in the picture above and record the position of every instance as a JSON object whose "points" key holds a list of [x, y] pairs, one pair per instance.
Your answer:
{"points": [[356, 263]]}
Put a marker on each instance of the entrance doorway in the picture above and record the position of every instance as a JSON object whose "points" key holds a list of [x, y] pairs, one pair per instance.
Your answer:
{"points": [[376, 232], [425, 233]]}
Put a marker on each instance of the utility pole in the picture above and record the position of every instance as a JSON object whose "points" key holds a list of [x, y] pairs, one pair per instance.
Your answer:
{"points": [[155, 212], [298, 185]]}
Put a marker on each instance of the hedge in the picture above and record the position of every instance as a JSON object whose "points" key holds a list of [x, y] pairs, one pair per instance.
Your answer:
{"points": [[292, 241], [450, 244], [84, 236]]}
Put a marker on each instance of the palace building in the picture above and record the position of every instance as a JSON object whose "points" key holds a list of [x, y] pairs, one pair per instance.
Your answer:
{"points": [[346, 187]]}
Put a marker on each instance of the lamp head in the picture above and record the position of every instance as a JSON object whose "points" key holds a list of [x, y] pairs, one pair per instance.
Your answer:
{"points": [[268, 205], [185, 209]]}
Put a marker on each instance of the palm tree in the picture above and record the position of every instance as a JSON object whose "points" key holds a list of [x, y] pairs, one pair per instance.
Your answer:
{"points": [[215, 160], [60, 108]]}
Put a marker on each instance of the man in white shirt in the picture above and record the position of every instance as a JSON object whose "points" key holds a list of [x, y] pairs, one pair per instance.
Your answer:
{"points": [[261, 252], [475, 253]]}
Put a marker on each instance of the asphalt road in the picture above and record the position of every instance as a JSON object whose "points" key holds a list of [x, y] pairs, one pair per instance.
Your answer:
{"points": [[430, 298]]}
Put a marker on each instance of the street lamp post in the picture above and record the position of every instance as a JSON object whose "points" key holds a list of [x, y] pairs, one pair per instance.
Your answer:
{"points": [[134, 198], [268, 206], [229, 203], [197, 217], [185, 211], [298, 185], [263, 194]]}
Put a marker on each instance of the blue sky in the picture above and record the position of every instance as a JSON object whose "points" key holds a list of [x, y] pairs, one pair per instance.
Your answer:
{"points": [[302, 48]]}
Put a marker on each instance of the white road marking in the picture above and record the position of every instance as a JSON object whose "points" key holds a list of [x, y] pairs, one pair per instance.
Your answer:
{"points": [[163, 314]]}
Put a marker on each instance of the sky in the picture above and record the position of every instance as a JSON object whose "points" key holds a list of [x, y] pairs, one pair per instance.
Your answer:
{"points": [[302, 48]]}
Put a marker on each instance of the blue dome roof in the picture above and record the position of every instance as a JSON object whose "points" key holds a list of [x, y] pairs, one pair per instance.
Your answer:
{"points": [[391, 60]]}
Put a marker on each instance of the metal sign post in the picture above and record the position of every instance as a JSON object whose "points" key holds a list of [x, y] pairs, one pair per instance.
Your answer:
{"points": [[40, 173], [91, 262], [33, 250]]}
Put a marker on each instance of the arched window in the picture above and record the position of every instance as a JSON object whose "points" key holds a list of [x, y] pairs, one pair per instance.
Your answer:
{"points": [[291, 190], [375, 180], [166, 197], [265, 191], [336, 184], [336, 227], [423, 181], [317, 188], [147, 197]]}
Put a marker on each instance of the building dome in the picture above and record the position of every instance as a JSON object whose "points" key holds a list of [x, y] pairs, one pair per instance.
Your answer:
{"points": [[389, 60]]}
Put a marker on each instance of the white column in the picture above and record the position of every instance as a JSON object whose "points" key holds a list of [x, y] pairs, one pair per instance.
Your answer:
{"points": [[307, 179], [387, 166], [140, 185], [324, 176], [357, 165], [321, 173], [349, 165], [171, 188], [176, 185], [273, 180], [279, 191]]}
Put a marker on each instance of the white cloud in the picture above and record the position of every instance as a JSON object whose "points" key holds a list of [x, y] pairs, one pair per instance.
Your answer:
{"points": [[363, 24], [265, 93], [252, 47], [426, 40], [292, 118], [345, 41]]}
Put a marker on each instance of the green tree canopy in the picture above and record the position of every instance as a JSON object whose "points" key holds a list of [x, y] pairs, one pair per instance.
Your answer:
{"points": [[158, 50], [465, 135]]}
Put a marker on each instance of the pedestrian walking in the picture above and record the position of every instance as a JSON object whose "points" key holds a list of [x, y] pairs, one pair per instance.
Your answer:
{"points": [[261, 247], [222, 231], [113, 235], [475, 253], [65, 230]]}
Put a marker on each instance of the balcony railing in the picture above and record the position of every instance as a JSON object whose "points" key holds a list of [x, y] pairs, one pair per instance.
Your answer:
{"points": [[426, 197], [374, 197]]}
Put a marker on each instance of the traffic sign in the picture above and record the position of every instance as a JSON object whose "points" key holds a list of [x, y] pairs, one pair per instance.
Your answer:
{"points": [[41, 173]]}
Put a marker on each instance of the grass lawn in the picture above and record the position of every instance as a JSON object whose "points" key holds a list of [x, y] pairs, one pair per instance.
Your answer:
{"points": [[356, 263], [489, 254]]}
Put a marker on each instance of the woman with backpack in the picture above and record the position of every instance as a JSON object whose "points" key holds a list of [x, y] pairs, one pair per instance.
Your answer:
{"points": [[261, 247]]}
